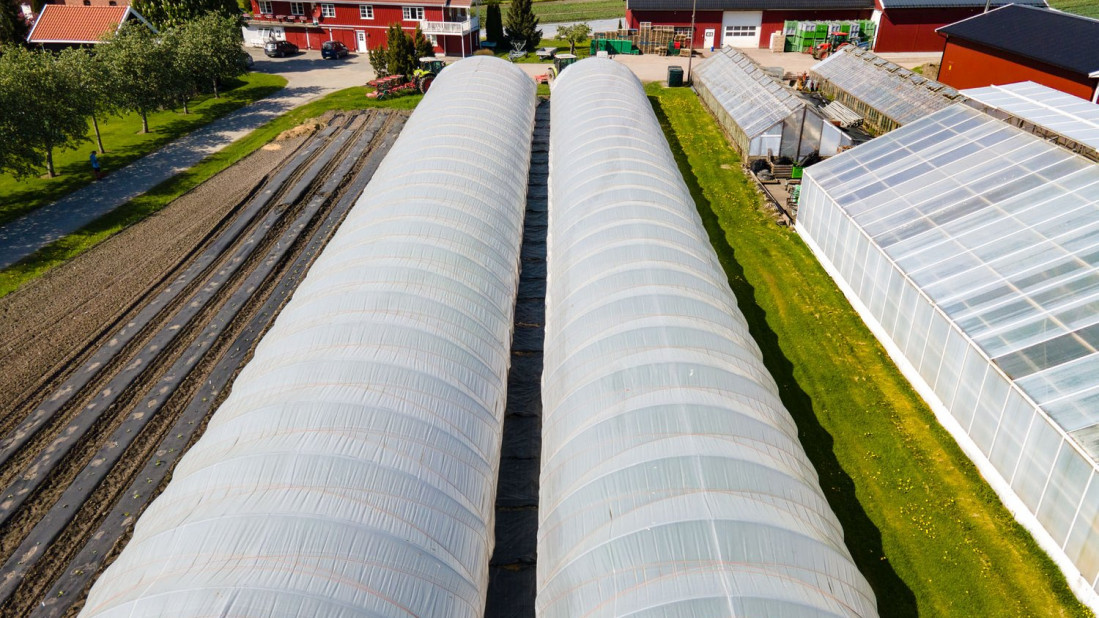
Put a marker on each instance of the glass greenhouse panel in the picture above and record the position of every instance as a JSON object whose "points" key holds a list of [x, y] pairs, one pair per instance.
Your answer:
{"points": [[352, 470], [1073, 117], [672, 479], [993, 231], [753, 99], [894, 92]]}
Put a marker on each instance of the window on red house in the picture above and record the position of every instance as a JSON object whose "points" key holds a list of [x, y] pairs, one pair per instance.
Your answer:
{"points": [[412, 13], [297, 8], [366, 11], [328, 10], [265, 8]]}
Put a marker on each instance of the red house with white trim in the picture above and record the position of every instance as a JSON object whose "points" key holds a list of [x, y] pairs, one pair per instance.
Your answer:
{"points": [[362, 24]]}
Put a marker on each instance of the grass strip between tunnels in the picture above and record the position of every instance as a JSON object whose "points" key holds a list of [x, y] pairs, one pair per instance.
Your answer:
{"points": [[924, 527], [69, 247]]}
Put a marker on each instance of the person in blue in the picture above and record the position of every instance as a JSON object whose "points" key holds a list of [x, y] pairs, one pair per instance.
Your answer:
{"points": [[95, 166]]}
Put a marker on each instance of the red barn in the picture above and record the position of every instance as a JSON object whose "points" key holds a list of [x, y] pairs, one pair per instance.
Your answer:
{"points": [[1017, 44], [740, 23], [911, 25], [362, 25]]}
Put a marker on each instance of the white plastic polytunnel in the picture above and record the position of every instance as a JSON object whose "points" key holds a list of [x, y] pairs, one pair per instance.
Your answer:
{"points": [[352, 470], [672, 481]]}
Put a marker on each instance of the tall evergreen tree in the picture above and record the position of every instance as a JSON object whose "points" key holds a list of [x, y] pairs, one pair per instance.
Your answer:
{"points": [[494, 25], [13, 30], [522, 25], [400, 52], [422, 47], [169, 13]]}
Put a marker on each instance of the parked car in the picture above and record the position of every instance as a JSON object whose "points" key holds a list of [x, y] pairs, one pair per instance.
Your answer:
{"points": [[278, 49], [333, 50]]}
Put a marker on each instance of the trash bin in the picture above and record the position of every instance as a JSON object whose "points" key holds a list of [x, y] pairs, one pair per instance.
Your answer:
{"points": [[675, 77]]}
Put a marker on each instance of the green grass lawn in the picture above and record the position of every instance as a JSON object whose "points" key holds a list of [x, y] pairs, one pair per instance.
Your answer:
{"points": [[583, 50], [1087, 8], [923, 526], [556, 11], [64, 249], [124, 142]]}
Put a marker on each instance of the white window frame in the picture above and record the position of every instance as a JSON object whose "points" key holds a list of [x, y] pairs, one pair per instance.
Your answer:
{"points": [[412, 13], [328, 10], [300, 6], [265, 7], [740, 31], [366, 11]]}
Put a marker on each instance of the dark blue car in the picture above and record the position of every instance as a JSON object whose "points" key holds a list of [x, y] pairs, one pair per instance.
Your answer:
{"points": [[333, 50]]}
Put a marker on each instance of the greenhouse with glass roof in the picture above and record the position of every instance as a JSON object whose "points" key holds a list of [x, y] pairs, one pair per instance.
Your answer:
{"points": [[1071, 121], [885, 94], [762, 116], [971, 248], [352, 471], [672, 480]]}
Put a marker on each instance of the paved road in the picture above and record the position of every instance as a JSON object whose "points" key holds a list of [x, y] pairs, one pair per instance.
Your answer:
{"points": [[308, 77]]}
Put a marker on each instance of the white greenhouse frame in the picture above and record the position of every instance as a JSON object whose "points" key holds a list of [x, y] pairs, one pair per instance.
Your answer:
{"points": [[1061, 113], [352, 471], [672, 479], [759, 113], [971, 249]]}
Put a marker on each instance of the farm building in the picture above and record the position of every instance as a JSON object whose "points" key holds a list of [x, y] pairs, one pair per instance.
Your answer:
{"points": [[910, 25], [899, 25], [60, 26], [672, 482], [352, 470], [884, 94], [740, 23], [762, 115], [1071, 121], [1020, 43], [971, 248], [450, 25]]}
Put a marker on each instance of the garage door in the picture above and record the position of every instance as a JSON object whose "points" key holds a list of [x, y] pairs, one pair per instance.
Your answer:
{"points": [[741, 28]]}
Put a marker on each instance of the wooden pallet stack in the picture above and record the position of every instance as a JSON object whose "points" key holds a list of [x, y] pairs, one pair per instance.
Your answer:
{"points": [[648, 39]]}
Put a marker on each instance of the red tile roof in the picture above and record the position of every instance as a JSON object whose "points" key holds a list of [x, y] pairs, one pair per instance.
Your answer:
{"points": [[76, 24]]}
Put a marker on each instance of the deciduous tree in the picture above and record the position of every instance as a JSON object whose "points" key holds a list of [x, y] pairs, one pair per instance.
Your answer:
{"points": [[170, 13], [13, 30], [45, 117], [93, 82], [139, 70], [576, 33], [209, 50]]}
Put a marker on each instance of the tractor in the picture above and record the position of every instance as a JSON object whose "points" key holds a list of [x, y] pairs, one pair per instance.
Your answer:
{"points": [[559, 63], [835, 42], [428, 71]]}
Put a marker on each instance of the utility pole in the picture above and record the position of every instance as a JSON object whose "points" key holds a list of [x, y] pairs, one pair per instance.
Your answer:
{"points": [[691, 45]]}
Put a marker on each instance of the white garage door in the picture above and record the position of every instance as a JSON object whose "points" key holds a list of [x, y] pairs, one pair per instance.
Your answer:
{"points": [[741, 28]]}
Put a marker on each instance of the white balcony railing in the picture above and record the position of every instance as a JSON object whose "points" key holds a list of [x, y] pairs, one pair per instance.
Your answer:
{"points": [[450, 27]]}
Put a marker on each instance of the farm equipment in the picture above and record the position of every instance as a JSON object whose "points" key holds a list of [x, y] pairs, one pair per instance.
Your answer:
{"points": [[426, 74], [835, 42], [559, 64], [389, 87]]}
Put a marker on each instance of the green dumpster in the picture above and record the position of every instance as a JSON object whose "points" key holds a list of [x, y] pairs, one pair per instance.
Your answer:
{"points": [[675, 77]]}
